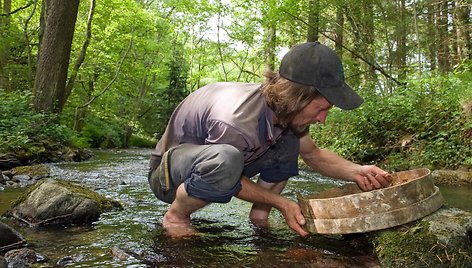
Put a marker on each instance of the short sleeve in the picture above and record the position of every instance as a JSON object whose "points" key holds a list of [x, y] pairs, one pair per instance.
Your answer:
{"points": [[222, 133]]}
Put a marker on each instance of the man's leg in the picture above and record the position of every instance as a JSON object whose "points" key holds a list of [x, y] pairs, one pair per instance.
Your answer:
{"points": [[199, 174], [177, 219], [260, 212], [275, 167]]}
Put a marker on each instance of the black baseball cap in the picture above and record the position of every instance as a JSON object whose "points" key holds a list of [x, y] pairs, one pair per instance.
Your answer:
{"points": [[317, 65]]}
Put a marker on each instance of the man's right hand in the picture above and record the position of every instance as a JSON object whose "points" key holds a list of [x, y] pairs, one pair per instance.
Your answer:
{"points": [[294, 217], [291, 211]]}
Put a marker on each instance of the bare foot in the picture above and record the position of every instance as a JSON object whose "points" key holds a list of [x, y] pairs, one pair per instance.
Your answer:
{"points": [[180, 230], [177, 229]]}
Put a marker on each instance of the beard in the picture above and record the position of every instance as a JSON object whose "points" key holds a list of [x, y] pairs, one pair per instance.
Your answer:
{"points": [[299, 131]]}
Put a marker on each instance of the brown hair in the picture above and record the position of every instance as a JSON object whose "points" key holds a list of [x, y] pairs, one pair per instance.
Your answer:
{"points": [[286, 98]]}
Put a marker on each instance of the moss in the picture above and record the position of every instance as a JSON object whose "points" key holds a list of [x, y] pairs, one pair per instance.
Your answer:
{"points": [[32, 171], [415, 246], [452, 177], [22, 197], [104, 202]]}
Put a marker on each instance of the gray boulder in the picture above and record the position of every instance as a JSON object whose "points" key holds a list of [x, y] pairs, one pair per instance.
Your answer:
{"points": [[56, 202]]}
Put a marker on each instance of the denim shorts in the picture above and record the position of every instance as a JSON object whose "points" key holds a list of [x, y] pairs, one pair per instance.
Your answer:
{"points": [[279, 163], [212, 172]]}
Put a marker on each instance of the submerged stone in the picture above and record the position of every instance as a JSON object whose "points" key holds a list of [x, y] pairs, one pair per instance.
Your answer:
{"points": [[10, 238], [23, 257]]}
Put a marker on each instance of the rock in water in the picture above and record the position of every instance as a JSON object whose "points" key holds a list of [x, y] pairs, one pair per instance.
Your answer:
{"points": [[56, 202]]}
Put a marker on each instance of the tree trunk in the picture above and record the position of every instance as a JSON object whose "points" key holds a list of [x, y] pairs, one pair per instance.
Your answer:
{"points": [[136, 111], [80, 114], [339, 31], [54, 55], [369, 36], [28, 46], [313, 20], [442, 14], [361, 19], [5, 46], [401, 41], [220, 52], [270, 20], [42, 24], [418, 38], [432, 33], [270, 47], [462, 30]]}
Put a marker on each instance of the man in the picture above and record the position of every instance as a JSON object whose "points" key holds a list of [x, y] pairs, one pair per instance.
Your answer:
{"points": [[225, 133]]}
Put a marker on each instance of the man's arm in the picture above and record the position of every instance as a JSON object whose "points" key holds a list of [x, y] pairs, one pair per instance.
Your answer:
{"points": [[329, 164]]}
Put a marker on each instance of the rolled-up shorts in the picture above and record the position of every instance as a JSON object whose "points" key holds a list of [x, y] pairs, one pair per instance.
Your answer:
{"points": [[212, 172]]}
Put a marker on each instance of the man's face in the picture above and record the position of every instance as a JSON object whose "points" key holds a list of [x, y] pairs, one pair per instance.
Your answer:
{"points": [[315, 112]]}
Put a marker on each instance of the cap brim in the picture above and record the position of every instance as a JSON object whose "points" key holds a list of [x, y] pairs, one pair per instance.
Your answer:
{"points": [[343, 97]]}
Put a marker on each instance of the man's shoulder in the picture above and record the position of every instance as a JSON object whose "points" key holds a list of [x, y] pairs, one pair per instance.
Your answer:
{"points": [[228, 93], [232, 85]]}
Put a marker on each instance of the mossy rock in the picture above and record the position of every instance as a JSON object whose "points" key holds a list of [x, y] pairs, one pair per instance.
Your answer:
{"points": [[452, 177], [442, 239], [35, 171], [58, 202]]}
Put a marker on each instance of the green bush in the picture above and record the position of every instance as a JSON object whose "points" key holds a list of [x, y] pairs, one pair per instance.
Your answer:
{"points": [[103, 133], [22, 129], [422, 124], [142, 141]]}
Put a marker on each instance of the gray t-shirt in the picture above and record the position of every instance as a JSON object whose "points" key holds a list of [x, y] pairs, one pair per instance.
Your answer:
{"points": [[221, 113]]}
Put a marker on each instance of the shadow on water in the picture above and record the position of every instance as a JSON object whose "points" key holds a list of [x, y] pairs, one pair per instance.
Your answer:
{"points": [[133, 237]]}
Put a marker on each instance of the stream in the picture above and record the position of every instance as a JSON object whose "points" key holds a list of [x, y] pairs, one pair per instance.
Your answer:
{"points": [[133, 237]]}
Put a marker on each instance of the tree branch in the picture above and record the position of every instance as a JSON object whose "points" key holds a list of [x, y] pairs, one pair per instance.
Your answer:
{"points": [[120, 64], [83, 52], [373, 64], [13, 246], [30, 71], [16, 10]]}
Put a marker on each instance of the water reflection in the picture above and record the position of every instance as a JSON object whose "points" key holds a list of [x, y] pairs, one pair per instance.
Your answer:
{"points": [[457, 196]]}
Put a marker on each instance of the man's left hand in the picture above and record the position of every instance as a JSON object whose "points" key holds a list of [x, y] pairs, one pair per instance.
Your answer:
{"points": [[370, 177]]}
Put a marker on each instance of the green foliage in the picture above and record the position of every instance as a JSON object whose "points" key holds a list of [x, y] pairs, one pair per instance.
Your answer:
{"points": [[172, 95], [423, 124], [22, 129], [103, 133], [146, 56], [81, 142], [142, 141]]}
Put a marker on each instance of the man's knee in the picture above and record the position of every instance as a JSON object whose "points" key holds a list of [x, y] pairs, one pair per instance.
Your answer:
{"points": [[223, 166], [216, 175]]}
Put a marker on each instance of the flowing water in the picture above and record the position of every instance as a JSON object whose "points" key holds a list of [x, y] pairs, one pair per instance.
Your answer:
{"points": [[133, 237]]}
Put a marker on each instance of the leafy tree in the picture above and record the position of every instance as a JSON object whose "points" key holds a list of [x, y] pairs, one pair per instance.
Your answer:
{"points": [[136, 59]]}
